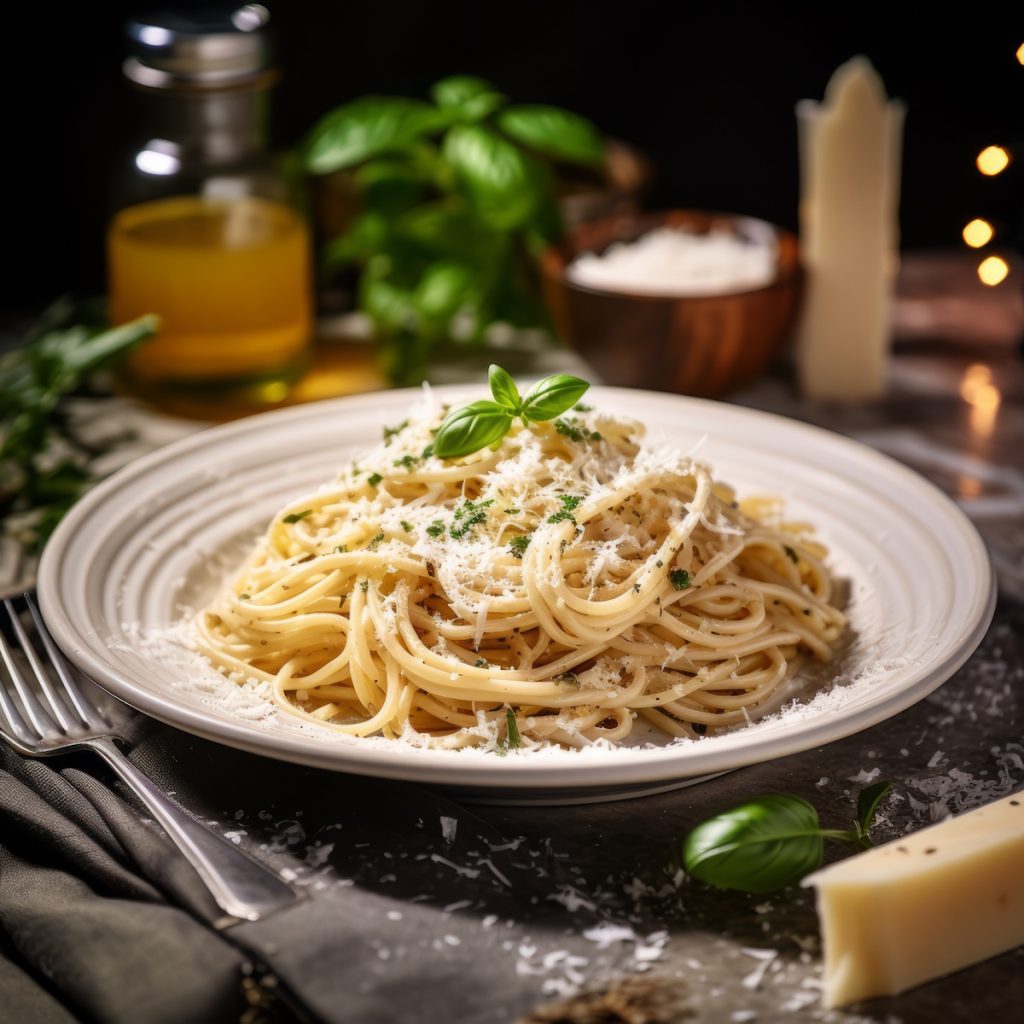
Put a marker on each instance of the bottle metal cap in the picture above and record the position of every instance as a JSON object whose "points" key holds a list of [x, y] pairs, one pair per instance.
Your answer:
{"points": [[217, 48]]}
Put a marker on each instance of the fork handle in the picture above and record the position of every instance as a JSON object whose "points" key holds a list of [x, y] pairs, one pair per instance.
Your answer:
{"points": [[241, 886]]}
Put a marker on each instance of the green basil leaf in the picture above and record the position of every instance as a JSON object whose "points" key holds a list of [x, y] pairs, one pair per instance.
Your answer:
{"points": [[466, 97], [471, 428], [503, 183], [554, 132], [367, 128], [446, 229], [382, 298], [867, 805], [444, 289], [504, 389], [366, 235], [760, 846], [551, 396]]}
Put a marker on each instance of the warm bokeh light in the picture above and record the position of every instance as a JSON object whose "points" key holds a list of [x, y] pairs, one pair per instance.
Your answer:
{"points": [[993, 160], [1020, 53], [978, 233], [978, 391], [993, 270]]}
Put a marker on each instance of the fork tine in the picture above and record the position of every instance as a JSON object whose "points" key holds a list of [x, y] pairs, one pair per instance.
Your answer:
{"points": [[73, 695], [57, 706], [85, 711], [31, 711], [11, 719]]}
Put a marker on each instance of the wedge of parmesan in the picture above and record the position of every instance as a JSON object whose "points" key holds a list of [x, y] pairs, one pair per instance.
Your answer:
{"points": [[924, 905]]}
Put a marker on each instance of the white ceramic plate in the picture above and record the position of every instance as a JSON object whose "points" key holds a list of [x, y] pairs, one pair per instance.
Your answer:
{"points": [[166, 531]]}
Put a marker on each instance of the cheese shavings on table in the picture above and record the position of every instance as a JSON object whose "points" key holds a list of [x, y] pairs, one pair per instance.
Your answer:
{"points": [[924, 905]]}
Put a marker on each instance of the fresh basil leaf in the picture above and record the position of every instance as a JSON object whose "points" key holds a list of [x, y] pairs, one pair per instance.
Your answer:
{"points": [[442, 229], [470, 428], [444, 289], [385, 301], [760, 846], [466, 97], [367, 128], [554, 132], [388, 186], [551, 396], [503, 183], [367, 234], [867, 805], [504, 389]]}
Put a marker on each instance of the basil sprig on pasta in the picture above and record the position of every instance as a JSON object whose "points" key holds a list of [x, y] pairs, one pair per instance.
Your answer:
{"points": [[471, 427]]}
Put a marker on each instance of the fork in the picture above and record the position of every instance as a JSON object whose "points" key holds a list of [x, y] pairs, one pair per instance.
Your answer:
{"points": [[46, 714]]}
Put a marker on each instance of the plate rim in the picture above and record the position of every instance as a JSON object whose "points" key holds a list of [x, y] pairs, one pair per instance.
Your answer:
{"points": [[642, 767]]}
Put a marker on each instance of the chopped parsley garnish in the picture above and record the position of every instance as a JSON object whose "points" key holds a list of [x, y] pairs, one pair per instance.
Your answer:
{"points": [[409, 461], [374, 479], [518, 545], [680, 578], [791, 554], [245, 597], [294, 517], [389, 432], [570, 502], [341, 549], [582, 407], [376, 540], [512, 511], [481, 663], [512, 738], [428, 451], [573, 429], [406, 526], [471, 514], [436, 528]]}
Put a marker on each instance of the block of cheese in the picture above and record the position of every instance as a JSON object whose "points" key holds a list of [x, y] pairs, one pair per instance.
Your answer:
{"points": [[923, 905]]}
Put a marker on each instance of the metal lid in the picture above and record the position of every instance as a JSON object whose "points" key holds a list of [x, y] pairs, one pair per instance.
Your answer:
{"points": [[220, 47]]}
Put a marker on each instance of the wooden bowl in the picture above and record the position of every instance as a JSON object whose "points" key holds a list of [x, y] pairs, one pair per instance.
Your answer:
{"points": [[694, 345]]}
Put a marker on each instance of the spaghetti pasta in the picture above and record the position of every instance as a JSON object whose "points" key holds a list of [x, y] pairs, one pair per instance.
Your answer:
{"points": [[554, 588]]}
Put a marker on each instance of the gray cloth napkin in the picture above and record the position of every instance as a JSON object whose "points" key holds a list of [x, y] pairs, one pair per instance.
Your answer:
{"points": [[101, 918]]}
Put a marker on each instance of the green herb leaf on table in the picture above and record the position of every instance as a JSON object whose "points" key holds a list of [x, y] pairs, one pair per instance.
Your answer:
{"points": [[771, 841], [768, 843], [867, 806]]}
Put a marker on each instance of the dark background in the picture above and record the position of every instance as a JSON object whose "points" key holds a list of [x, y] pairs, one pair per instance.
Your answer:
{"points": [[707, 90]]}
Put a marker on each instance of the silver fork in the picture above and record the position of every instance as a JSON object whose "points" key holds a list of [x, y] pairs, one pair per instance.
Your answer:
{"points": [[45, 713]]}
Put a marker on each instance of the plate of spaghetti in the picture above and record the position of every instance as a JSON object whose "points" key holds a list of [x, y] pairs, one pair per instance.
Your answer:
{"points": [[529, 598]]}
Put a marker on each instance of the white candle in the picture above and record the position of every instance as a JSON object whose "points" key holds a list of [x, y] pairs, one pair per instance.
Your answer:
{"points": [[850, 147]]}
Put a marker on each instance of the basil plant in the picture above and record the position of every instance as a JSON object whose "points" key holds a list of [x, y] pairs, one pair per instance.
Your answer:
{"points": [[457, 196]]}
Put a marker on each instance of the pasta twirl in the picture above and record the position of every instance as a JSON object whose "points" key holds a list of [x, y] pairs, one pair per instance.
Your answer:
{"points": [[570, 579]]}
